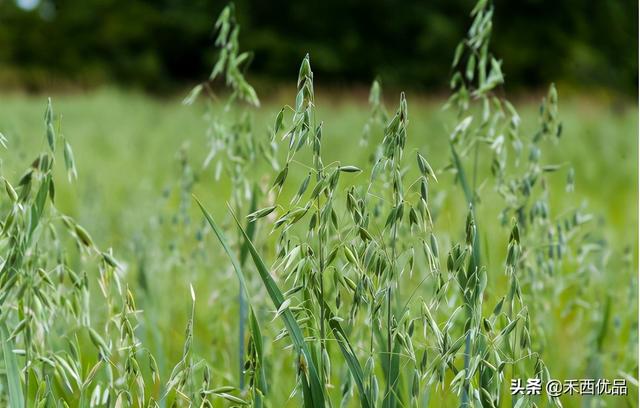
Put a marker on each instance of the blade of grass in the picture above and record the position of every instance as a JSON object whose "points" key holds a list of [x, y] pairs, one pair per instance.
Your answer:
{"points": [[38, 206], [225, 245], [242, 301], [469, 195], [475, 259], [349, 355], [314, 395], [255, 328], [16, 399], [391, 370], [257, 341]]}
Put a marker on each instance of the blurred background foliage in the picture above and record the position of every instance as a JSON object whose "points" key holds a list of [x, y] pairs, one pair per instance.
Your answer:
{"points": [[162, 45]]}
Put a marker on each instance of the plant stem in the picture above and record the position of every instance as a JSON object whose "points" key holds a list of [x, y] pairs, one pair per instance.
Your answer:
{"points": [[394, 237], [475, 254], [467, 351], [321, 275], [242, 319]]}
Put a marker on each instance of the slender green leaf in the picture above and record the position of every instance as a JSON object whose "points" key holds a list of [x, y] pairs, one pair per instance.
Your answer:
{"points": [[16, 399], [314, 395]]}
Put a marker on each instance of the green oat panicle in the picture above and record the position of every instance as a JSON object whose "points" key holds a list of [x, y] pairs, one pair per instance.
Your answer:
{"points": [[230, 63]]}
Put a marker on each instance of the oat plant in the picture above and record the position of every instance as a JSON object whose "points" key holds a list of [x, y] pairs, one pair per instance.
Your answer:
{"points": [[357, 263]]}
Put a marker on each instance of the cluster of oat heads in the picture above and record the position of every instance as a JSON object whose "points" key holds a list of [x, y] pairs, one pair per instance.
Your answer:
{"points": [[47, 324], [349, 245], [542, 246], [362, 260], [231, 62], [70, 325], [477, 74]]}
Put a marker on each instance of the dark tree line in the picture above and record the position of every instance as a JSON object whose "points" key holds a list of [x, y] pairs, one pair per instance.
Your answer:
{"points": [[163, 43]]}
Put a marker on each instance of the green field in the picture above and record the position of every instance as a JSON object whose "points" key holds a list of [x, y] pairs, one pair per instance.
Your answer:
{"points": [[127, 148], [139, 158]]}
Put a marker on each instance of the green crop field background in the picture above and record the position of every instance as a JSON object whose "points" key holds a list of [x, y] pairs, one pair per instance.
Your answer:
{"points": [[129, 150], [128, 147]]}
